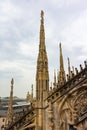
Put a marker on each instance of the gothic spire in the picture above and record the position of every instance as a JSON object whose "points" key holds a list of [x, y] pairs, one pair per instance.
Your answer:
{"points": [[61, 76], [42, 74], [69, 70], [32, 92], [10, 112], [54, 79], [73, 69], [61, 58]]}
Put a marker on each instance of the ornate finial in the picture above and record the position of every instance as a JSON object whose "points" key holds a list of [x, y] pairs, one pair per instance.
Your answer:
{"points": [[60, 48], [76, 71], [73, 69], [42, 13], [12, 81], [61, 58], [54, 78], [69, 70], [42, 16], [81, 68], [85, 64], [57, 74], [51, 87], [60, 45], [32, 91], [68, 61]]}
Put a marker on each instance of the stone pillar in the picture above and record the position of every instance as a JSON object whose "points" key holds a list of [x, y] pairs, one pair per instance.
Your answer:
{"points": [[37, 116], [50, 117]]}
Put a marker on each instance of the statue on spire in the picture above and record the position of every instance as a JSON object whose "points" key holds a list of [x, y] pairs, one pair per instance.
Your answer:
{"points": [[42, 16], [12, 81]]}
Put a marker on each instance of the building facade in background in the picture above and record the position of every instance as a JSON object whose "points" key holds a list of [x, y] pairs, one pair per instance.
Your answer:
{"points": [[19, 105]]}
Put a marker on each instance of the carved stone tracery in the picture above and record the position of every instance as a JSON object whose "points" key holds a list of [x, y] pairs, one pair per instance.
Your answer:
{"points": [[72, 107]]}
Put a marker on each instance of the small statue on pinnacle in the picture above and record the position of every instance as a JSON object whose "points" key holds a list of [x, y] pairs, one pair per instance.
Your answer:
{"points": [[42, 15]]}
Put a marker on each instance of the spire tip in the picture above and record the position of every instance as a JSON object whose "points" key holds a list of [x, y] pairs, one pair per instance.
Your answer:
{"points": [[42, 15], [12, 81], [60, 44]]}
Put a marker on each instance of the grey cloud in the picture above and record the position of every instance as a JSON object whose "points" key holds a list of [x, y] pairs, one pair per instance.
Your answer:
{"points": [[20, 23]]}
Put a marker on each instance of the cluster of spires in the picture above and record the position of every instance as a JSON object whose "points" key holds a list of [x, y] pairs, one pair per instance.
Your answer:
{"points": [[61, 77], [59, 80]]}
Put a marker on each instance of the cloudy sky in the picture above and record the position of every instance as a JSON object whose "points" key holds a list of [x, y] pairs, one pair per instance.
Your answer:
{"points": [[65, 22]]}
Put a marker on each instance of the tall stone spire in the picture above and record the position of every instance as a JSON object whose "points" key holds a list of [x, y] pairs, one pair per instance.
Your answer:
{"points": [[32, 92], [54, 78], [10, 112], [42, 74], [61, 76], [42, 77], [69, 70]]}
